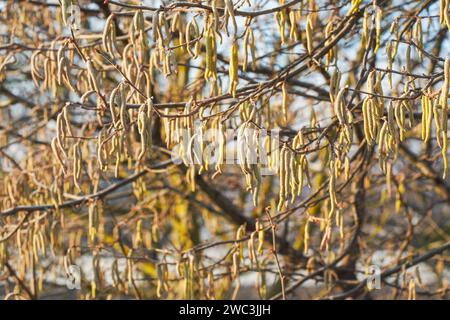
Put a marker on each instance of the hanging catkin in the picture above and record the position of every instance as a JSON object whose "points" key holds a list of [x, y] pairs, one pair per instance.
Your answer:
{"points": [[222, 141], [145, 126], [233, 68], [249, 42], [309, 34], [58, 154], [418, 37], [92, 76], [76, 164], [332, 189], [378, 17], [366, 27], [444, 116], [335, 81], [284, 103], [444, 13], [211, 55], [339, 107], [427, 114], [109, 38], [229, 12]]}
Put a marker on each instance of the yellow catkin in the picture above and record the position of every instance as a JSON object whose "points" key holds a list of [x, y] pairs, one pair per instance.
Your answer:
{"points": [[444, 116], [93, 221], [284, 101], [211, 55], [191, 26], [57, 153], [437, 122], [293, 31], [112, 106], [293, 181], [309, 35], [339, 107], [222, 143], [229, 11], [109, 35], [444, 14], [306, 237], [233, 68], [251, 249], [236, 264], [447, 14], [64, 10], [382, 147], [418, 36], [156, 29], [389, 54], [412, 289], [216, 18], [249, 42], [334, 84], [366, 122], [287, 175], [332, 190], [100, 154], [282, 176], [400, 119], [366, 26], [378, 17], [76, 164], [424, 116], [427, 114], [60, 133], [92, 76], [355, 6], [260, 229], [65, 115], [142, 129]]}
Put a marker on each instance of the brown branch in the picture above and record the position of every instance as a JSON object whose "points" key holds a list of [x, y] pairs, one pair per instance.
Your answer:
{"points": [[98, 195], [393, 270]]}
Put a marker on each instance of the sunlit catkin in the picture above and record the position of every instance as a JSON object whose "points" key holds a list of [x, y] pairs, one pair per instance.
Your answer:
{"points": [[249, 42], [444, 15], [58, 155], [229, 12], [309, 34], [378, 17], [418, 37], [76, 164], [444, 116], [260, 228], [211, 55], [284, 103], [92, 76], [109, 38], [427, 117], [339, 107], [233, 69], [332, 189]]}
